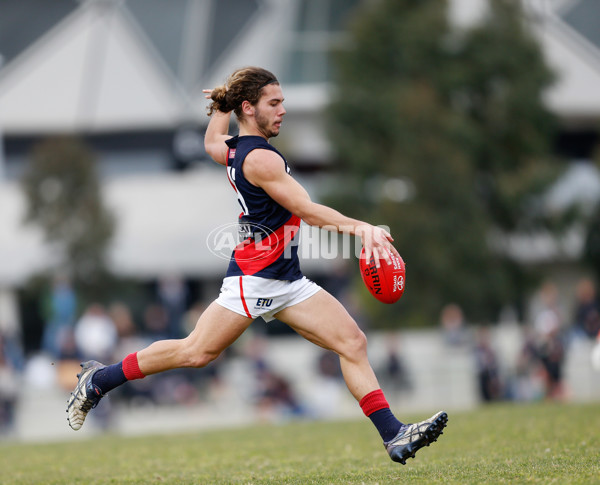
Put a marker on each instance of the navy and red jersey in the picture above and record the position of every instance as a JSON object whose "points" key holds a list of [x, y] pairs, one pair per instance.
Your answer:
{"points": [[269, 248]]}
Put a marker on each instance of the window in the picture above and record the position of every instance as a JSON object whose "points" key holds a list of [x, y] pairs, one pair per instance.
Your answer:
{"points": [[319, 29]]}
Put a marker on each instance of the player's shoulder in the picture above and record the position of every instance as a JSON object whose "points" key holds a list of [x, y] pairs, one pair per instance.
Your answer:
{"points": [[263, 163]]}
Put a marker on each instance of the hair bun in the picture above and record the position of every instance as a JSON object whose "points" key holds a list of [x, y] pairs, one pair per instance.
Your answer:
{"points": [[219, 100]]}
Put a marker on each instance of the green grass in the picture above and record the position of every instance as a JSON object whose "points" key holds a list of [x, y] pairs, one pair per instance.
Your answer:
{"points": [[541, 443]]}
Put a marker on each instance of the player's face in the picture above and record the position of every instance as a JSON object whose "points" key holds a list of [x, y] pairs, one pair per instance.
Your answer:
{"points": [[269, 110]]}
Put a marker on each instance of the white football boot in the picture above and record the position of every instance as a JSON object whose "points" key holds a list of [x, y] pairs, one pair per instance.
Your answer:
{"points": [[85, 396], [413, 437]]}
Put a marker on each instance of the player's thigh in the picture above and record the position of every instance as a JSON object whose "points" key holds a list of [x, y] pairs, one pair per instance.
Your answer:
{"points": [[323, 320], [217, 328]]}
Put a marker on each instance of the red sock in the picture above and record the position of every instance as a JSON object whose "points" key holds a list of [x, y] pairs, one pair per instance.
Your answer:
{"points": [[131, 368], [374, 401], [376, 407]]}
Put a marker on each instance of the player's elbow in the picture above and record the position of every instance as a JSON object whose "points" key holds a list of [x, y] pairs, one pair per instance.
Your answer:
{"points": [[309, 219], [308, 214]]}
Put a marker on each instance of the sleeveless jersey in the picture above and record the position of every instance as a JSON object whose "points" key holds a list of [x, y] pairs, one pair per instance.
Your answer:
{"points": [[269, 232]]}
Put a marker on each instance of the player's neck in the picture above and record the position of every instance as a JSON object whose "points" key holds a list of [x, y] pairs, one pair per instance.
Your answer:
{"points": [[248, 129]]}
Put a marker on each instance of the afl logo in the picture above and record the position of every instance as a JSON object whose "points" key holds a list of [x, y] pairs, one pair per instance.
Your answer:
{"points": [[251, 242]]}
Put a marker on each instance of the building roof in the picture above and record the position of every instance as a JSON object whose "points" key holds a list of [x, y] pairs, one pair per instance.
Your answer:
{"points": [[575, 58], [108, 65], [582, 16], [93, 71]]}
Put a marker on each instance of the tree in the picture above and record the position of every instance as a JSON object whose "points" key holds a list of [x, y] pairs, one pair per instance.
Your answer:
{"points": [[443, 136], [64, 199]]}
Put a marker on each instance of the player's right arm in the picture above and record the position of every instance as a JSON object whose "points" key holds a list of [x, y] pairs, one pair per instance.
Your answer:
{"points": [[217, 132]]}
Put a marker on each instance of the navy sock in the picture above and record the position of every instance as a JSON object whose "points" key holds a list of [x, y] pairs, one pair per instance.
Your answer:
{"points": [[386, 423], [110, 377]]}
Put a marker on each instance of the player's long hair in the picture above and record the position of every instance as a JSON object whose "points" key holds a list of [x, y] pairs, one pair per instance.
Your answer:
{"points": [[243, 85]]}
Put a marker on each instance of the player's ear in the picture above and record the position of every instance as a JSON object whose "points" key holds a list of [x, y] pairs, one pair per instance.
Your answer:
{"points": [[247, 108]]}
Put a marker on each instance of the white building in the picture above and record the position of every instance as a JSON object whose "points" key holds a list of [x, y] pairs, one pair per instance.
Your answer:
{"points": [[128, 75]]}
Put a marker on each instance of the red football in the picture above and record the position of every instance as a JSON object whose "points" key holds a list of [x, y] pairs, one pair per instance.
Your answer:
{"points": [[385, 283]]}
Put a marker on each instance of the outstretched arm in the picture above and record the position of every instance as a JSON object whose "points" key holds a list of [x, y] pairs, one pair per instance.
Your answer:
{"points": [[216, 134], [266, 169]]}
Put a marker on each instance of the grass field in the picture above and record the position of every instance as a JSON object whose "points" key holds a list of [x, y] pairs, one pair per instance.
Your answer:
{"points": [[540, 443]]}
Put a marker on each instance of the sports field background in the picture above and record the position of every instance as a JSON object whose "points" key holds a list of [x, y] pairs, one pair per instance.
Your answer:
{"points": [[135, 133], [507, 443], [439, 377]]}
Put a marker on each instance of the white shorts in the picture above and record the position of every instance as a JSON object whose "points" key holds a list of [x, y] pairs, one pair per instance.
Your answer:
{"points": [[254, 297]]}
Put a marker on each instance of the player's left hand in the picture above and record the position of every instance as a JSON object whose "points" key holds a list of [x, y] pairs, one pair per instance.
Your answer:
{"points": [[377, 243]]}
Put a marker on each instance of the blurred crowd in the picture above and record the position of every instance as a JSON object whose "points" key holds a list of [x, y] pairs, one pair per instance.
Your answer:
{"points": [[107, 333], [547, 334]]}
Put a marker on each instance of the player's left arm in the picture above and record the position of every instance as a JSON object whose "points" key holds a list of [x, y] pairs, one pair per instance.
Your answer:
{"points": [[266, 169]]}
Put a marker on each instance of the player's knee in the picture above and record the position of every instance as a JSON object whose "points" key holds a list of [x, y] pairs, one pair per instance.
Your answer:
{"points": [[356, 344], [198, 357], [201, 359]]}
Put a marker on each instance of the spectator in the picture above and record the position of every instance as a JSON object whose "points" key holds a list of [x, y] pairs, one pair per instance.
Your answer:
{"points": [[587, 309], [548, 324], [329, 365], [328, 391], [95, 333], [488, 377], [273, 393], [123, 320], [9, 387], [547, 313], [156, 322], [128, 340], [192, 315], [128, 336], [595, 356], [172, 294], [96, 338], [68, 361], [275, 396], [394, 371], [548, 319], [528, 383], [552, 355], [61, 310], [452, 321], [68, 347]]}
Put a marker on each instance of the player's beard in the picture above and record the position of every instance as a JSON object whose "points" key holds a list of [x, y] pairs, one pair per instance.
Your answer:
{"points": [[264, 125]]}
